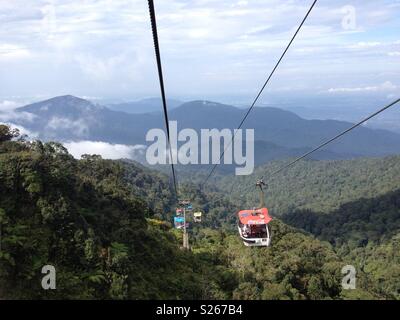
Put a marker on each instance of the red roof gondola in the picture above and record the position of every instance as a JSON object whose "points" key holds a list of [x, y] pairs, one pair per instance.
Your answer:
{"points": [[254, 217]]}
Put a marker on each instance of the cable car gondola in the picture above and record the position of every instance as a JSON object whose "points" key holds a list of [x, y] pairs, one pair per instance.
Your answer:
{"points": [[179, 222], [197, 216], [253, 223]]}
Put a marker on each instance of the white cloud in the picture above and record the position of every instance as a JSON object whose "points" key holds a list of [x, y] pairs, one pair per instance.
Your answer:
{"points": [[241, 3], [100, 68], [8, 113], [386, 86], [8, 105], [57, 123], [23, 131], [11, 51], [104, 47], [106, 150], [363, 45], [197, 33], [17, 116], [394, 54], [80, 127]]}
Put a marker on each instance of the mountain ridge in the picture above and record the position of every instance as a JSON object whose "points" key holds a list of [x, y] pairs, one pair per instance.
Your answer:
{"points": [[68, 118], [143, 106]]}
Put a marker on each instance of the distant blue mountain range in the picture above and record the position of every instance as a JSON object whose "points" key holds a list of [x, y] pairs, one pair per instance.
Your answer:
{"points": [[278, 133]]}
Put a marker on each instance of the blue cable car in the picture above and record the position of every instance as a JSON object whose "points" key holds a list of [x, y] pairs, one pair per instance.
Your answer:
{"points": [[179, 222]]}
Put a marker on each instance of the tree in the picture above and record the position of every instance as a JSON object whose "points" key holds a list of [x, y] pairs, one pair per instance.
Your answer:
{"points": [[6, 133]]}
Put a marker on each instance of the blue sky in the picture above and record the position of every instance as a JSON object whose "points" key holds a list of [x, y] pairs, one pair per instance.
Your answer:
{"points": [[211, 49]]}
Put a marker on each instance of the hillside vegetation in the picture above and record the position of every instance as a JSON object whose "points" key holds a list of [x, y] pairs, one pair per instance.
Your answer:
{"points": [[105, 226], [321, 186], [355, 223]]}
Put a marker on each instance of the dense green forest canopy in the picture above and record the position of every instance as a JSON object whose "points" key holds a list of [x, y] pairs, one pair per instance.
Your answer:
{"points": [[355, 223], [321, 186], [105, 226]]}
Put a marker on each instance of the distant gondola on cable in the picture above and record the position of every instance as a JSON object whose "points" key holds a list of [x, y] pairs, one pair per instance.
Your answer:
{"points": [[197, 216], [179, 222], [253, 223]]}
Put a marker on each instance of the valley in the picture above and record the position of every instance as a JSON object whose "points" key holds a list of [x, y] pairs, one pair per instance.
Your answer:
{"points": [[199, 158], [117, 216]]}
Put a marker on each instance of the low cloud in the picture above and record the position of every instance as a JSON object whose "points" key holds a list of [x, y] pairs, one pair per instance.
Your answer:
{"points": [[79, 127], [8, 105], [106, 150], [9, 116], [366, 45], [8, 113], [23, 131], [386, 86], [16, 116]]}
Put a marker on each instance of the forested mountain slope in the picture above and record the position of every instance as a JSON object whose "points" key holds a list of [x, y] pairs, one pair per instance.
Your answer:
{"points": [[355, 223], [321, 186], [380, 263], [103, 226], [82, 218], [365, 233]]}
